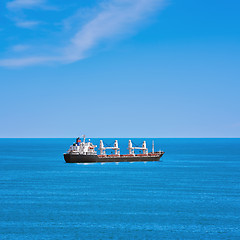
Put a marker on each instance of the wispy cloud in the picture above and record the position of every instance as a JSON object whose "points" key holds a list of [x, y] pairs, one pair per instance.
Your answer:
{"points": [[20, 47], [114, 18], [17, 4], [27, 24], [28, 61]]}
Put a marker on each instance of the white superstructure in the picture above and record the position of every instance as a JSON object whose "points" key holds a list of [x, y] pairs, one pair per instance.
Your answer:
{"points": [[82, 148]]}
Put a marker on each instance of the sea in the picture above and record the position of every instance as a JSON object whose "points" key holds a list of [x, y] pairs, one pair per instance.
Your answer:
{"points": [[192, 193]]}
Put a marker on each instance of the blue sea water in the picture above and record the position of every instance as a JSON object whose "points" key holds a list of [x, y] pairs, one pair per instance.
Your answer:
{"points": [[194, 193]]}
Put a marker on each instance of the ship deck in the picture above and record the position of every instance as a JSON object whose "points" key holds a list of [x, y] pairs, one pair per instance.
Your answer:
{"points": [[130, 155]]}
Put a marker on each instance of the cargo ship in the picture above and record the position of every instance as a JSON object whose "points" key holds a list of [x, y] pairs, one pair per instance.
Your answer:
{"points": [[84, 152]]}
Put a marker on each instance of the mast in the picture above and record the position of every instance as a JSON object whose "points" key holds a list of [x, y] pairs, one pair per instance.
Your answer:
{"points": [[153, 146]]}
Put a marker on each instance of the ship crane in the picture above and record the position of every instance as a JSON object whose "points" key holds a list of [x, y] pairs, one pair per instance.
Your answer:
{"points": [[103, 149], [131, 148]]}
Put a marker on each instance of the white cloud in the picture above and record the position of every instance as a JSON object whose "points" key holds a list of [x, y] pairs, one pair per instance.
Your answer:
{"points": [[20, 48], [16, 4], [27, 24], [114, 18], [28, 61], [18, 18]]}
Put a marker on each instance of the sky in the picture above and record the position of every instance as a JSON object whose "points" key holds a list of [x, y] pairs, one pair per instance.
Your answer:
{"points": [[119, 68]]}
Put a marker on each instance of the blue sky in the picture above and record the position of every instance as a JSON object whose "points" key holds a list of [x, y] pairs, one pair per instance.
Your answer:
{"points": [[120, 68]]}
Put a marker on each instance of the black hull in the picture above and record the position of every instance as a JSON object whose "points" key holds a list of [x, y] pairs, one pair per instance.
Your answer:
{"points": [[74, 158]]}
